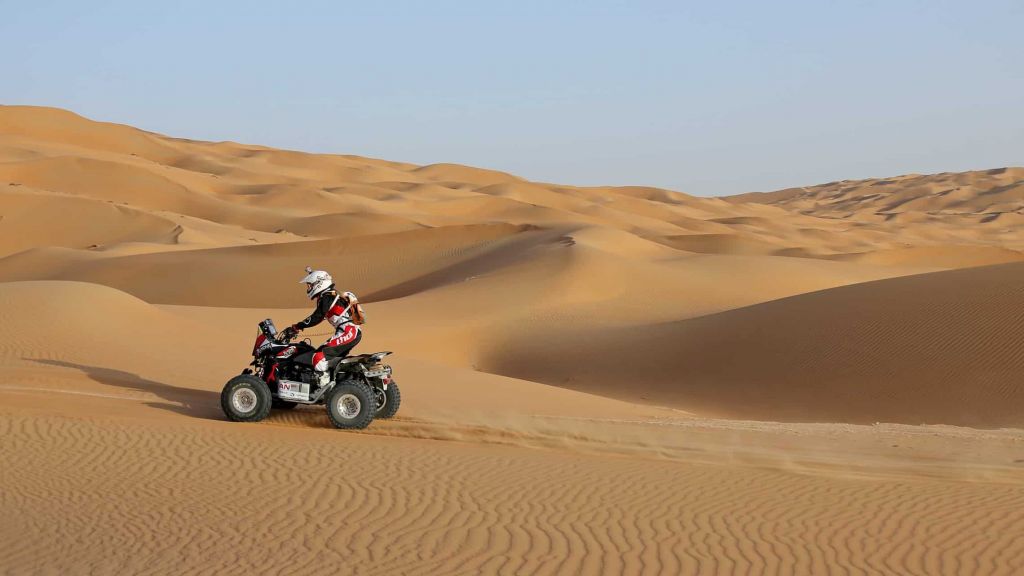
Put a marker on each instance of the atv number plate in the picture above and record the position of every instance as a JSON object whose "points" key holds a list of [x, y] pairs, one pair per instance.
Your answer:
{"points": [[381, 371]]}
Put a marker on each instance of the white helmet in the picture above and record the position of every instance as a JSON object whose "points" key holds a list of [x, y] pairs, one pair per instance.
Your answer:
{"points": [[316, 281]]}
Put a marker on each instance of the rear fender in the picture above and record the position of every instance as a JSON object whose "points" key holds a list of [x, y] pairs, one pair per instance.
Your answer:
{"points": [[350, 371]]}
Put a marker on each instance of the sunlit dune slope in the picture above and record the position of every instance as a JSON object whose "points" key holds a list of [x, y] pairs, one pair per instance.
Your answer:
{"points": [[82, 320], [32, 219]]}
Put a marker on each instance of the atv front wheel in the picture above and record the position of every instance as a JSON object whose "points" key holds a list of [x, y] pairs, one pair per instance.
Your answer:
{"points": [[388, 400], [245, 398], [351, 404]]}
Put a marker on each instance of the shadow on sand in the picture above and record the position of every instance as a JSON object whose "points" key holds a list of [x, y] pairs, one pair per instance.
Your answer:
{"points": [[187, 401]]}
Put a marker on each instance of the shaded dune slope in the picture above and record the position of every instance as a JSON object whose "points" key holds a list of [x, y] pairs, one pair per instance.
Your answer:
{"points": [[946, 347]]}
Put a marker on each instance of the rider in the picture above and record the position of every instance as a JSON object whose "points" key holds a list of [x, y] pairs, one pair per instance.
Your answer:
{"points": [[337, 309]]}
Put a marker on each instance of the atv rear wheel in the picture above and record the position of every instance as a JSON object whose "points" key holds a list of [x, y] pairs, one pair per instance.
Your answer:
{"points": [[351, 404], [245, 398], [388, 400]]}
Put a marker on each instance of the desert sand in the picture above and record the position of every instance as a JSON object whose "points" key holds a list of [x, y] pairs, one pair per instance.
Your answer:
{"points": [[595, 379]]}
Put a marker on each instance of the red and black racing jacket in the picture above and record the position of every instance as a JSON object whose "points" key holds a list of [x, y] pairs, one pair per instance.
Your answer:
{"points": [[330, 306]]}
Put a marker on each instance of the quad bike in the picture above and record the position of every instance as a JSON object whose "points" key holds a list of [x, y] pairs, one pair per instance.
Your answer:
{"points": [[281, 377]]}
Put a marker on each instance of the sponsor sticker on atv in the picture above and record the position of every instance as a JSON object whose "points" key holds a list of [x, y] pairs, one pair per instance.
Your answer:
{"points": [[291, 390]]}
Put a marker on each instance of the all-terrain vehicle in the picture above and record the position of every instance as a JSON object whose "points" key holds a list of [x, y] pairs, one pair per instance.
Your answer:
{"points": [[281, 377]]}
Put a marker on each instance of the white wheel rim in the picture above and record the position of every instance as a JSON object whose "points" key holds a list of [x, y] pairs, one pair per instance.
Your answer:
{"points": [[348, 406], [244, 400], [382, 399]]}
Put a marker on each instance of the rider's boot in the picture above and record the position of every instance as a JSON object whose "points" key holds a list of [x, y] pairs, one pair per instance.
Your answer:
{"points": [[320, 366], [321, 379]]}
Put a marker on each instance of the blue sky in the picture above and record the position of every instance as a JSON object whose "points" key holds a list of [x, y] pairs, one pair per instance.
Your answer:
{"points": [[708, 98]]}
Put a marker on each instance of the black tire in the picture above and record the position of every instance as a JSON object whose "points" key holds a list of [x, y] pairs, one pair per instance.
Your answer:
{"points": [[245, 398], [392, 399], [351, 405], [279, 404]]}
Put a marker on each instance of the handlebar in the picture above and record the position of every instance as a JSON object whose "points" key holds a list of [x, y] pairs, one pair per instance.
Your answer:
{"points": [[287, 335]]}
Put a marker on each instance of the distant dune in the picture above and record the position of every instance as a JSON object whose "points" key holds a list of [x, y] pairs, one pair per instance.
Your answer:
{"points": [[983, 196]]}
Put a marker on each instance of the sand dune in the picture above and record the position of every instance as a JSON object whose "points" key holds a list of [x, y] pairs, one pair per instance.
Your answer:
{"points": [[931, 348], [84, 322], [366, 264], [595, 379], [32, 219]]}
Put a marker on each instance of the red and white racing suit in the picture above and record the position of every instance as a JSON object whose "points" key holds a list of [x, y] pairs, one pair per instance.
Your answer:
{"points": [[334, 308]]}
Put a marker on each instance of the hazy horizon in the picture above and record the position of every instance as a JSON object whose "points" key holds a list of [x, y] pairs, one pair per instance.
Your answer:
{"points": [[704, 100]]}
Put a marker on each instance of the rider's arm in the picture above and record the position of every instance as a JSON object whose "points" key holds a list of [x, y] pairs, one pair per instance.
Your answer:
{"points": [[322, 305]]}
